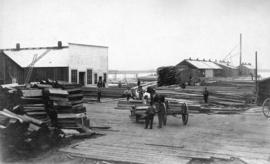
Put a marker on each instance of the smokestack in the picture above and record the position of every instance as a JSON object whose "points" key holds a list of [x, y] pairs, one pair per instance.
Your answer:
{"points": [[59, 44], [18, 46]]}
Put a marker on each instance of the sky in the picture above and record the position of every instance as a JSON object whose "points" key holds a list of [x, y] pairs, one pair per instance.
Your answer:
{"points": [[143, 34]]}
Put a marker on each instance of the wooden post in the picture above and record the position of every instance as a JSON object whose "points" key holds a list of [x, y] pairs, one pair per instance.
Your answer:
{"points": [[240, 60], [256, 73]]}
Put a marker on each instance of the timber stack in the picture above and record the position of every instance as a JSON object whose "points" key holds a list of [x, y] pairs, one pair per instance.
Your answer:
{"points": [[33, 104], [234, 94], [22, 132], [90, 92], [67, 106], [36, 117]]}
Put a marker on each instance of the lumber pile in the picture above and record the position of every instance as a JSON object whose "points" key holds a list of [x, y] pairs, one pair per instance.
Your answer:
{"points": [[166, 75], [37, 116], [65, 104], [234, 95], [123, 104], [33, 104], [22, 132], [111, 92]]}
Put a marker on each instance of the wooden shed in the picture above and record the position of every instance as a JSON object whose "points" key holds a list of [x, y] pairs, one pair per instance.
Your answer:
{"points": [[206, 68]]}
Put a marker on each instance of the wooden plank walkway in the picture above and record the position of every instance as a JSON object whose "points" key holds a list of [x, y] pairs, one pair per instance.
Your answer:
{"points": [[221, 136]]}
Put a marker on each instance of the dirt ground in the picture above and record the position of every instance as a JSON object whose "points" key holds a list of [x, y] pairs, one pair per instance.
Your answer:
{"points": [[239, 138]]}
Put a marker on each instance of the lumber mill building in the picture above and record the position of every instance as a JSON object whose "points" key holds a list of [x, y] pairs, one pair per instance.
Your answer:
{"points": [[208, 68], [246, 69], [76, 63]]}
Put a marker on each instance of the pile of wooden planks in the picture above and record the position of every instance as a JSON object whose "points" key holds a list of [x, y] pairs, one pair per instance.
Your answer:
{"points": [[22, 132], [33, 104], [66, 105], [123, 104], [37, 115], [111, 92], [233, 95], [166, 75]]}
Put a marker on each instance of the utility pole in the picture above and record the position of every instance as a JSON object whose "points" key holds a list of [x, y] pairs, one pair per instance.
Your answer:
{"points": [[240, 60], [256, 72]]}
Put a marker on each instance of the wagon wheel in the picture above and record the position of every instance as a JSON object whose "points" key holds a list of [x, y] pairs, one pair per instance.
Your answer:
{"points": [[266, 108], [185, 114]]}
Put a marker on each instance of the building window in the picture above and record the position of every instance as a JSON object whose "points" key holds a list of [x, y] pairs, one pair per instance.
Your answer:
{"points": [[89, 76], [74, 73], [95, 78], [105, 77]]}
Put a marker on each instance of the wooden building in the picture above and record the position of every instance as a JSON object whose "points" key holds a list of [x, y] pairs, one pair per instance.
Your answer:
{"points": [[205, 68], [77, 63], [246, 69], [227, 69]]}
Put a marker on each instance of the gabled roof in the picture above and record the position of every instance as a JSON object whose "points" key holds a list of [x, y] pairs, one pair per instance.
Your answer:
{"points": [[88, 45], [226, 65], [248, 66], [54, 58], [201, 64]]}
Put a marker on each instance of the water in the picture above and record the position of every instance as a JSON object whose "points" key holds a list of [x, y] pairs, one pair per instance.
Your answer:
{"points": [[264, 74]]}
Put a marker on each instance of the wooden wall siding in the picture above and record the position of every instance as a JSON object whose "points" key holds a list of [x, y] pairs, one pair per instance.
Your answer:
{"points": [[9, 69], [54, 73]]}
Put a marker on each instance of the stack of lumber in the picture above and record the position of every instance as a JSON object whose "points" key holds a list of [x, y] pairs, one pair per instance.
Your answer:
{"points": [[22, 132], [33, 104], [111, 92], [10, 95], [36, 117], [234, 95], [65, 106], [123, 104], [166, 75]]}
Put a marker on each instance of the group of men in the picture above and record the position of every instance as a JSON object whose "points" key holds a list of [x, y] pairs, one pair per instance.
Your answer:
{"points": [[157, 106], [157, 102]]}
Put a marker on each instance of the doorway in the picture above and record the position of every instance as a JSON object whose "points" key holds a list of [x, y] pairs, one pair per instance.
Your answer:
{"points": [[82, 78]]}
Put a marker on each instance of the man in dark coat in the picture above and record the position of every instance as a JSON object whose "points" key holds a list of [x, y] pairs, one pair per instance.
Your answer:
{"points": [[99, 86], [150, 112], [205, 95], [149, 118], [159, 102]]}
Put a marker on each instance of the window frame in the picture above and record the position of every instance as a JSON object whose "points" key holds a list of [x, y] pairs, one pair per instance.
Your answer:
{"points": [[74, 77], [95, 78], [89, 79]]}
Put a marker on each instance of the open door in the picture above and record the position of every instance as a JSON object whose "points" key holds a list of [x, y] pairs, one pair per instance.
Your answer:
{"points": [[82, 78]]}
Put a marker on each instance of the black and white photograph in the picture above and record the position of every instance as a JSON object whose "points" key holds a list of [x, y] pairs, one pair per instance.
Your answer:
{"points": [[135, 81]]}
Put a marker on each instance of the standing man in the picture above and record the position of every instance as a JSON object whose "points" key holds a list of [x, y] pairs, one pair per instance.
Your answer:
{"points": [[99, 86], [159, 102], [104, 83], [139, 82], [150, 112], [140, 92], [205, 95], [149, 118], [128, 93]]}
